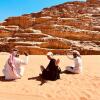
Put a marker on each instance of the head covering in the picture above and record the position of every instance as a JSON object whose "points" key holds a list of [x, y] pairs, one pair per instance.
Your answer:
{"points": [[76, 52], [11, 62], [14, 52], [50, 54], [14, 49]]}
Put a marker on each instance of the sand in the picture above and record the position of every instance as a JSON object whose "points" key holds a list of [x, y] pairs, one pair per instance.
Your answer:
{"points": [[84, 86]]}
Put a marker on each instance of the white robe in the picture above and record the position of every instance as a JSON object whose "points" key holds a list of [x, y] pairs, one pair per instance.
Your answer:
{"points": [[18, 68], [77, 67]]}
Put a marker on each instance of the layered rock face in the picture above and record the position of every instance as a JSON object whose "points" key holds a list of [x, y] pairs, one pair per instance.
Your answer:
{"points": [[72, 25], [21, 21], [93, 1]]}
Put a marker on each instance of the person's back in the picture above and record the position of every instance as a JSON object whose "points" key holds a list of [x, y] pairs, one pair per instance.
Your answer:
{"points": [[52, 72], [78, 64], [51, 66], [77, 67]]}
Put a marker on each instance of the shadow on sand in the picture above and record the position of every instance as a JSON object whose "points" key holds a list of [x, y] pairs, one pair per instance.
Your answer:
{"points": [[38, 78], [2, 79], [66, 72]]}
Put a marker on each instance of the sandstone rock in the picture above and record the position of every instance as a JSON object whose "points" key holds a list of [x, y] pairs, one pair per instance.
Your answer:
{"points": [[2, 27], [21, 21], [4, 33], [93, 1], [12, 28], [73, 25], [96, 28]]}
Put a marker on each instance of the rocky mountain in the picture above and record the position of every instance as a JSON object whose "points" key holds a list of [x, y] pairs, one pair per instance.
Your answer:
{"points": [[72, 25]]}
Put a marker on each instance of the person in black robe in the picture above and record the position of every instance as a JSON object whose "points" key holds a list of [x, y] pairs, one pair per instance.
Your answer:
{"points": [[52, 72]]}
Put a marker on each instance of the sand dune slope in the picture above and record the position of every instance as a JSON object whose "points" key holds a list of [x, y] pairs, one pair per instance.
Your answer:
{"points": [[85, 86]]}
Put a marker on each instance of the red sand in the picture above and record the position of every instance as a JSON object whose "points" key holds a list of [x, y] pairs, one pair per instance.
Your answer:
{"points": [[85, 86]]}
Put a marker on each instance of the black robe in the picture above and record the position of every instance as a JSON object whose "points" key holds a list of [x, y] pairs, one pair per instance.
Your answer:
{"points": [[52, 72]]}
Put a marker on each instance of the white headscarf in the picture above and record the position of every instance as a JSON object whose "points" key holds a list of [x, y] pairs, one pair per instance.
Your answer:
{"points": [[50, 54], [76, 52], [11, 62]]}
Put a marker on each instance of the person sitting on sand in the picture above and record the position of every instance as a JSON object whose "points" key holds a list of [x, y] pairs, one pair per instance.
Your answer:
{"points": [[52, 72], [77, 68], [13, 68]]}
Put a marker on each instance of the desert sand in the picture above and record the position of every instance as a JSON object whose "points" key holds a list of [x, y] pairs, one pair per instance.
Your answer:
{"points": [[84, 86]]}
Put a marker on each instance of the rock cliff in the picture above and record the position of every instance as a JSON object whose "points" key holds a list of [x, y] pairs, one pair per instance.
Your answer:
{"points": [[70, 25]]}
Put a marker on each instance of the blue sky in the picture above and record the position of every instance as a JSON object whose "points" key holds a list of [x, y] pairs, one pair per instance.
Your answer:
{"points": [[19, 7]]}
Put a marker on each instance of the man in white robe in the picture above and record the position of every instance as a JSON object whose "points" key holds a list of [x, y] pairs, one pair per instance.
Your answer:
{"points": [[13, 68], [77, 68]]}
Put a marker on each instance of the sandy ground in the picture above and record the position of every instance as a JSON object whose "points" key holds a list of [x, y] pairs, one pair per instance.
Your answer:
{"points": [[85, 86]]}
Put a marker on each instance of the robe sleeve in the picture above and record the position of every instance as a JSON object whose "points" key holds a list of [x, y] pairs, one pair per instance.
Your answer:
{"points": [[25, 61]]}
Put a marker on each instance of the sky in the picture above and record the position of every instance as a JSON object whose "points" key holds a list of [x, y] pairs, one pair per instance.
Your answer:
{"points": [[10, 8]]}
